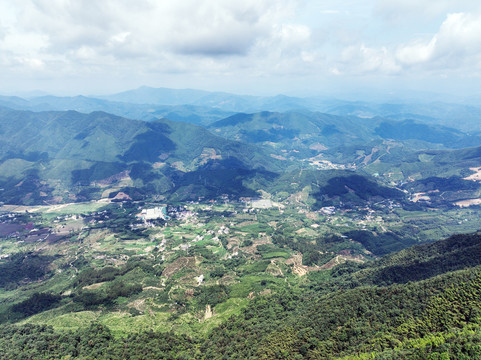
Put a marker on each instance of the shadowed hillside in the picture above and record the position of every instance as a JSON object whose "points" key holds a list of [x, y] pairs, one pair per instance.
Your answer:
{"points": [[43, 154]]}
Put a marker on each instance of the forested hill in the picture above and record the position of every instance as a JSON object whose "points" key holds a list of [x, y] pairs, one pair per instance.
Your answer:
{"points": [[306, 130], [62, 156], [335, 314], [345, 316]]}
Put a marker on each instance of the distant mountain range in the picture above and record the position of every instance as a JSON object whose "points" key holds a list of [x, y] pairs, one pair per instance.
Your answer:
{"points": [[304, 134], [204, 107], [187, 113]]}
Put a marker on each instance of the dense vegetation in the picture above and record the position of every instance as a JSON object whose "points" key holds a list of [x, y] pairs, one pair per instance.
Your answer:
{"points": [[60, 156], [341, 315], [23, 266]]}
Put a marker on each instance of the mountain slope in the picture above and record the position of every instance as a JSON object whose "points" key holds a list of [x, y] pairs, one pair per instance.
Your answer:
{"points": [[299, 134], [347, 318], [49, 152], [346, 139], [437, 176], [331, 314], [53, 152]]}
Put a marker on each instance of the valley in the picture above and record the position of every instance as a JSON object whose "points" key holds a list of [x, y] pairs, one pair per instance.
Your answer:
{"points": [[189, 272], [288, 233], [241, 249]]}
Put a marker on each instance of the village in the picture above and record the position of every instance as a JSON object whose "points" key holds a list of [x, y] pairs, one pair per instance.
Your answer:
{"points": [[131, 218], [223, 225]]}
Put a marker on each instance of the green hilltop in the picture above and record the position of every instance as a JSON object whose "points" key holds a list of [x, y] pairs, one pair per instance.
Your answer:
{"points": [[63, 154]]}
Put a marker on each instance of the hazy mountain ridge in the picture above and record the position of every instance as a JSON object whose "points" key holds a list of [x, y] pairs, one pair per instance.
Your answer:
{"points": [[461, 116], [186, 104], [340, 139], [465, 117], [188, 113]]}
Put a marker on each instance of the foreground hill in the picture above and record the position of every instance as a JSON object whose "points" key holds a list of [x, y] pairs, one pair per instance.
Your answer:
{"points": [[419, 315], [330, 314]]}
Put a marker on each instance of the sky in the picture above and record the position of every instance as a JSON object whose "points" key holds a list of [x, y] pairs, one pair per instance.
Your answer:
{"points": [[259, 47]]}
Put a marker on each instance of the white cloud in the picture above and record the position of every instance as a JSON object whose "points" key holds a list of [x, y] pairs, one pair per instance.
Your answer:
{"points": [[455, 48], [202, 27], [363, 60], [33, 63], [416, 52], [457, 44], [293, 35], [147, 41], [460, 34], [151, 32]]}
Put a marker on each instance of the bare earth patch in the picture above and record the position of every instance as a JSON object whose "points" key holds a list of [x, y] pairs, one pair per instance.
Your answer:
{"points": [[298, 268], [278, 157], [93, 286], [318, 147], [208, 312], [152, 288], [178, 265], [339, 259], [476, 176], [138, 305], [209, 154], [368, 158], [420, 196], [467, 203]]}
